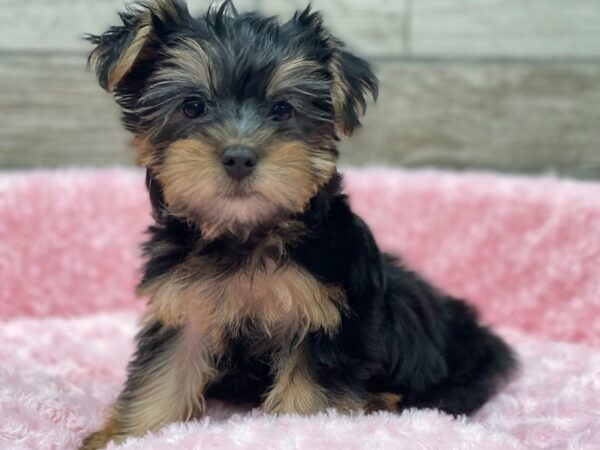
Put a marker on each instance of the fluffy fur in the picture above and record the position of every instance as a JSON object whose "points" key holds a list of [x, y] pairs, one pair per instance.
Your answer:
{"points": [[264, 287], [469, 232]]}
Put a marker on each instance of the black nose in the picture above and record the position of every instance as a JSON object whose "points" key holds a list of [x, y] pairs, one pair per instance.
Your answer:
{"points": [[239, 162]]}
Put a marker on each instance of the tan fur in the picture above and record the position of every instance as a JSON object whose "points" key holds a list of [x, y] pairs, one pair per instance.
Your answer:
{"points": [[101, 438], [295, 390], [130, 55], [347, 402], [196, 186], [170, 390], [145, 152], [340, 95], [288, 74], [383, 401], [164, 10], [282, 302], [190, 174], [291, 174], [188, 61]]}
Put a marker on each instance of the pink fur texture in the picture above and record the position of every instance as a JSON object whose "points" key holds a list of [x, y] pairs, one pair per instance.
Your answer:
{"points": [[525, 250]]}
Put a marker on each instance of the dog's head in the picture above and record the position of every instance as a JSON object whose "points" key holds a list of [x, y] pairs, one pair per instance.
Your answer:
{"points": [[235, 115]]}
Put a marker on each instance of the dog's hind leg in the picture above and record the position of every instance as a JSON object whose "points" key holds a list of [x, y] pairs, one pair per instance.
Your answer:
{"points": [[478, 364]]}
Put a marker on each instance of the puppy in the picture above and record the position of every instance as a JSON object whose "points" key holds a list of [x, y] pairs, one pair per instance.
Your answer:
{"points": [[263, 285]]}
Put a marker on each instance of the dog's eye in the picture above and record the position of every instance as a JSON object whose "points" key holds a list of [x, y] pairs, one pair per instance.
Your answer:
{"points": [[194, 107], [281, 111]]}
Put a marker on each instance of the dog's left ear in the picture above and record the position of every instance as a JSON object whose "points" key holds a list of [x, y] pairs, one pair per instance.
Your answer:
{"points": [[352, 77], [136, 43]]}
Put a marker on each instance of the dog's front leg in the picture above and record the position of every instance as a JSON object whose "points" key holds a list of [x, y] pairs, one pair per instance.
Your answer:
{"points": [[165, 384], [295, 390]]}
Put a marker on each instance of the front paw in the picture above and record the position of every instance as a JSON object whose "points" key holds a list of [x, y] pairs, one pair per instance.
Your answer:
{"points": [[94, 441], [99, 439]]}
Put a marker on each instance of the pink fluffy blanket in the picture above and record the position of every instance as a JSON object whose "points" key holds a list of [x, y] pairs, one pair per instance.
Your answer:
{"points": [[526, 251]]}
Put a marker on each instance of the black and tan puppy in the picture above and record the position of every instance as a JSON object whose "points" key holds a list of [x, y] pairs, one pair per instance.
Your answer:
{"points": [[264, 287]]}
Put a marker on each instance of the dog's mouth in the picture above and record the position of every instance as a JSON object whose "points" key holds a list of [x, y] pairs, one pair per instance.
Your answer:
{"points": [[240, 191]]}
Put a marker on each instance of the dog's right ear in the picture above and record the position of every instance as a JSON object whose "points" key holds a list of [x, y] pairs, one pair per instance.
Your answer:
{"points": [[353, 80], [135, 45]]}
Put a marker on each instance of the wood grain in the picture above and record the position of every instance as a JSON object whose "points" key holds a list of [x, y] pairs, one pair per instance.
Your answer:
{"points": [[447, 28], [501, 28], [513, 117], [54, 113], [57, 25], [367, 28]]}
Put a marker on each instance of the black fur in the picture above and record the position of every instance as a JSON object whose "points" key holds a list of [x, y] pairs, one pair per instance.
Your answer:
{"points": [[402, 335]]}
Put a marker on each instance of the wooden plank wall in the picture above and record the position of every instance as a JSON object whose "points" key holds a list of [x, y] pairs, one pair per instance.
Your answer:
{"points": [[501, 84]]}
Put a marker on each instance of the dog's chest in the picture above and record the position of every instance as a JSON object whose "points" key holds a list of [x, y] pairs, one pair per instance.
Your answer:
{"points": [[276, 300]]}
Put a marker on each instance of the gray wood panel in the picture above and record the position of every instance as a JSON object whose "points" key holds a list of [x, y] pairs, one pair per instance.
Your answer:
{"points": [[53, 113], [515, 117], [57, 25], [46, 25], [475, 28], [366, 28], [54, 24], [515, 28]]}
